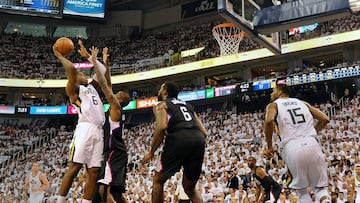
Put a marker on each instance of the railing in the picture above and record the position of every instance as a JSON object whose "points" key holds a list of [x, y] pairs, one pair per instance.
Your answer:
{"points": [[30, 149]]}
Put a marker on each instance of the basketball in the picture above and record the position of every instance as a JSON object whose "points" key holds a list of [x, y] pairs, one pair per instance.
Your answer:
{"points": [[65, 46]]}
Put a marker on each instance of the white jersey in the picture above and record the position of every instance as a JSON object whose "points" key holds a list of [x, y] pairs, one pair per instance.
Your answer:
{"points": [[89, 106], [34, 183], [294, 120]]}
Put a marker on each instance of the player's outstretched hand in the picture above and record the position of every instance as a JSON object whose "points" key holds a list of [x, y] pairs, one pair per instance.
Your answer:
{"points": [[82, 51], [56, 52], [147, 157], [94, 52], [105, 53]]}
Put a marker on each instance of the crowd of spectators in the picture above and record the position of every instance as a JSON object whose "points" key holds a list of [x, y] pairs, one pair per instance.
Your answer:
{"points": [[16, 138], [28, 57], [344, 24], [233, 137]]}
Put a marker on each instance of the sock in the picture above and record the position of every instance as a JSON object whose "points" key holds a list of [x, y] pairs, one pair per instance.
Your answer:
{"points": [[85, 201], [61, 199]]}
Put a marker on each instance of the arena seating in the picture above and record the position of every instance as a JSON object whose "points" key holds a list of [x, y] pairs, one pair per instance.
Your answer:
{"points": [[32, 58]]}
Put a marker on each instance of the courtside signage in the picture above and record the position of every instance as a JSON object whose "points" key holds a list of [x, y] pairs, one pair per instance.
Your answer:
{"points": [[22, 110], [190, 96], [223, 91], [83, 65], [72, 110], [48, 110], [210, 93], [130, 106], [146, 103], [7, 109]]}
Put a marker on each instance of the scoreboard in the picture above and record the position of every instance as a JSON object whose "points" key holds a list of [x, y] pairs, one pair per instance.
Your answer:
{"points": [[32, 7]]}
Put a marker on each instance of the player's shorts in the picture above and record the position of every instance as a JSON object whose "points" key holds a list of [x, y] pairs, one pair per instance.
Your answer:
{"points": [[273, 195], [113, 172], [36, 197], [87, 145], [306, 164], [184, 148]]}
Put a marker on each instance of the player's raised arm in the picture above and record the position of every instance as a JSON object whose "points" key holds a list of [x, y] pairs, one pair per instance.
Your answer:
{"points": [[105, 53], [71, 73], [84, 53], [114, 103]]}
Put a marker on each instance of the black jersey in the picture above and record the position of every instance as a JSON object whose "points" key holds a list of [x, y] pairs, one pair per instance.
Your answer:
{"points": [[113, 132], [267, 182], [181, 116]]}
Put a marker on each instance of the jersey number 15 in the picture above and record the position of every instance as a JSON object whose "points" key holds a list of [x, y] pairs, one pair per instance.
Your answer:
{"points": [[295, 116]]}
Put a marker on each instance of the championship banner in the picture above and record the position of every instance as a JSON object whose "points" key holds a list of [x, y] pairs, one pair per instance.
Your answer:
{"points": [[198, 8]]}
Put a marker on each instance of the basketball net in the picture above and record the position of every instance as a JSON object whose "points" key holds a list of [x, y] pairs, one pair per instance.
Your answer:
{"points": [[228, 36]]}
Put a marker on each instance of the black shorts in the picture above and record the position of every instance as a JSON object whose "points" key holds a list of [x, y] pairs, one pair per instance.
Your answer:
{"points": [[185, 149], [275, 191], [113, 171]]}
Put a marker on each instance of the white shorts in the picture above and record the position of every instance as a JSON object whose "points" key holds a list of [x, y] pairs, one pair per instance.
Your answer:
{"points": [[306, 164], [36, 197], [87, 145]]}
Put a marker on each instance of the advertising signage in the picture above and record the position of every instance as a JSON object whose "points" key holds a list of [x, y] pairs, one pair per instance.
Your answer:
{"points": [[190, 96], [210, 93], [146, 103], [22, 110], [7, 109], [48, 110], [264, 84], [89, 8], [130, 106], [223, 91]]}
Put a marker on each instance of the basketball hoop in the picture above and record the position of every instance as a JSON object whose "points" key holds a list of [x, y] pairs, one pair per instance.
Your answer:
{"points": [[229, 36]]}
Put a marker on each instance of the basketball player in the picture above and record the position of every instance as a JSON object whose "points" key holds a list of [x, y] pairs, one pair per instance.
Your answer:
{"points": [[87, 144], [36, 183], [184, 143], [115, 149], [302, 153], [355, 180], [264, 181]]}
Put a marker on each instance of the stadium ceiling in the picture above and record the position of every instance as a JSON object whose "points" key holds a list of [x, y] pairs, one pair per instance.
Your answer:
{"points": [[143, 4]]}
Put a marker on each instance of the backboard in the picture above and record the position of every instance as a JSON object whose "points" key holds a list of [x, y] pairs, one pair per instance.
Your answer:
{"points": [[241, 12]]}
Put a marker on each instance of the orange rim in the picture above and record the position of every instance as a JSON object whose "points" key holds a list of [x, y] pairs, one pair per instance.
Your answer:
{"points": [[227, 25]]}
